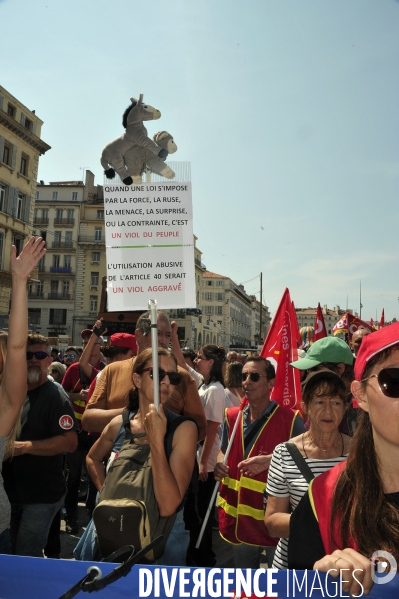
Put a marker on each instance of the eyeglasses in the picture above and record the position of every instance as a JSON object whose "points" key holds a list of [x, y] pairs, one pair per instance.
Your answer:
{"points": [[70, 356], [254, 376], [174, 377], [388, 381], [54, 371], [39, 355]]}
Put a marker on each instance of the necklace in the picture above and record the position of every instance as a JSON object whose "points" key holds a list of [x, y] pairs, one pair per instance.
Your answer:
{"points": [[304, 450]]}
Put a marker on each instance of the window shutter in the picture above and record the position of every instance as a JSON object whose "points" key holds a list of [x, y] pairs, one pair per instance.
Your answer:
{"points": [[27, 209], [23, 119], [12, 201], [33, 127], [1, 102], [2, 140], [14, 157]]}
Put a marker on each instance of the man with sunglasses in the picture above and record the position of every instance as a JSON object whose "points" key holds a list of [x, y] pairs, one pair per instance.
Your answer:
{"points": [[264, 425], [34, 478], [112, 390], [71, 356]]}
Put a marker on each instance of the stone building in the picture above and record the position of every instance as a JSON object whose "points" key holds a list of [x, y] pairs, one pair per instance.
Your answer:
{"points": [[20, 149], [70, 216]]}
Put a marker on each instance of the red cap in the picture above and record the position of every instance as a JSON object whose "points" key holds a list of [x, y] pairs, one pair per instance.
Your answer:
{"points": [[374, 344], [124, 340], [86, 333]]}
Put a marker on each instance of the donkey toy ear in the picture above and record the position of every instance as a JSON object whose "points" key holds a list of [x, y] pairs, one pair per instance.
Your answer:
{"points": [[141, 98]]}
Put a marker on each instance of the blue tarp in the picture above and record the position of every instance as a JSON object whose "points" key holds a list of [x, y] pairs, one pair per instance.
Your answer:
{"points": [[35, 578]]}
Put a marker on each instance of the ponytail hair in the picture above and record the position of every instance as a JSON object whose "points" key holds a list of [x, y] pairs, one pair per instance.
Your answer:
{"points": [[218, 355]]}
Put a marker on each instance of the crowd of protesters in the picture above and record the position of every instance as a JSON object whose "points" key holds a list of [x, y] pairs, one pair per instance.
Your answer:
{"points": [[311, 487]]}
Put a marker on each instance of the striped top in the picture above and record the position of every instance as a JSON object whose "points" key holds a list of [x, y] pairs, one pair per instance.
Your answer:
{"points": [[285, 480]]}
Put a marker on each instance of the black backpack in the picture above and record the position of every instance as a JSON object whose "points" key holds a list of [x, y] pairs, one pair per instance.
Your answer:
{"points": [[127, 512]]}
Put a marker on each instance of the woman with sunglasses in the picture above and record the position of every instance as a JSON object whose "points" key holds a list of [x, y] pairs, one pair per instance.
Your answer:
{"points": [[13, 365], [57, 371], [323, 404], [170, 477], [208, 363], [352, 511]]}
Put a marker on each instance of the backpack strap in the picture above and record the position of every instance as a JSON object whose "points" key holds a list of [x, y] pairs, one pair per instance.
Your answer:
{"points": [[299, 461], [126, 417]]}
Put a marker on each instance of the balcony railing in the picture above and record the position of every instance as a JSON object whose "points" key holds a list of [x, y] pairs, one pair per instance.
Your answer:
{"points": [[35, 295], [59, 296], [199, 263], [61, 269], [60, 245], [67, 222], [90, 239], [40, 221]]}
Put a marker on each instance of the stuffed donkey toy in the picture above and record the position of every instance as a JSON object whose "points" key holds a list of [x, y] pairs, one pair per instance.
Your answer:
{"points": [[137, 159], [135, 135]]}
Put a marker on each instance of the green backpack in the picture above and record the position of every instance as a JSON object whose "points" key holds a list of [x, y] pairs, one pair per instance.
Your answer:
{"points": [[127, 512]]}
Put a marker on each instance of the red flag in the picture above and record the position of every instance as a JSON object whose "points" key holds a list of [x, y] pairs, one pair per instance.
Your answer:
{"points": [[349, 324], [320, 330], [280, 347], [382, 319]]}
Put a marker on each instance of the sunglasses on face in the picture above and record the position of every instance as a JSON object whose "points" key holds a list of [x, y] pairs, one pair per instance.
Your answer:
{"points": [[388, 381], [254, 376], [39, 355], [70, 356], [174, 377], [54, 372]]}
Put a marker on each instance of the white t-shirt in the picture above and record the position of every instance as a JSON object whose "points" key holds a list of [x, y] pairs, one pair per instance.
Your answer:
{"points": [[232, 400], [213, 401], [199, 379]]}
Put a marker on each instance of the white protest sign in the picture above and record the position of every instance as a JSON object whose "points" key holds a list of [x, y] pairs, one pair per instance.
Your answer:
{"points": [[149, 245]]}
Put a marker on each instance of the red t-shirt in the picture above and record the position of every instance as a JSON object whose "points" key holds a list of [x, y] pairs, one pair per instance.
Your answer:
{"points": [[71, 383]]}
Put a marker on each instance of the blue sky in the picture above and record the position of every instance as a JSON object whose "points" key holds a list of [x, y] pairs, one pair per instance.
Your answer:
{"points": [[287, 111]]}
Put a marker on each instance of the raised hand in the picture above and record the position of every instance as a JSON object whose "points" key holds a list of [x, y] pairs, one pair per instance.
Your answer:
{"points": [[30, 255]]}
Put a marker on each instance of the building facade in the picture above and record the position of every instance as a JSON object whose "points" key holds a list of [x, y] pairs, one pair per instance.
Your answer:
{"points": [[225, 303], [91, 258], [20, 149], [69, 215]]}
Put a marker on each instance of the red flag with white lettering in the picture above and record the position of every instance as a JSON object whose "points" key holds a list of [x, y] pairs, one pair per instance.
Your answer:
{"points": [[349, 324], [382, 319], [280, 347], [320, 330]]}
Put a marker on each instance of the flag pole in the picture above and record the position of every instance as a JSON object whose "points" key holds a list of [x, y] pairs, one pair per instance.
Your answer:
{"points": [[152, 305], [215, 490]]}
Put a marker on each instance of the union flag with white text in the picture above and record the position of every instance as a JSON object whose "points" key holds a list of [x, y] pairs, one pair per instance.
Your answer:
{"points": [[350, 324], [281, 348]]}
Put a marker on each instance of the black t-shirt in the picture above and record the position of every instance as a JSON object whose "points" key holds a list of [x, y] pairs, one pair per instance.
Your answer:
{"points": [[40, 479], [305, 546]]}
